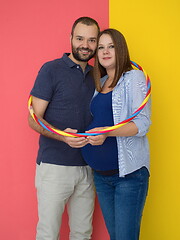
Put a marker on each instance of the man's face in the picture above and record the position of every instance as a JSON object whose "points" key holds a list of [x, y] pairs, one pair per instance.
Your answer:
{"points": [[84, 42]]}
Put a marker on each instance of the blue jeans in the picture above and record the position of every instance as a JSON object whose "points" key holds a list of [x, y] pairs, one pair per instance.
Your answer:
{"points": [[122, 201]]}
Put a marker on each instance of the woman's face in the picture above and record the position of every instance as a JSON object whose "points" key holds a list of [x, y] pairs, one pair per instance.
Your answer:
{"points": [[106, 52]]}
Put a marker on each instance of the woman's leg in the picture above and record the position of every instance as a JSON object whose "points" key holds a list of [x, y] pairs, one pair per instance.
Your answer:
{"points": [[105, 192], [130, 196]]}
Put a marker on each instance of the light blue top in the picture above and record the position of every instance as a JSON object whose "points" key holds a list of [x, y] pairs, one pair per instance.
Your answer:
{"points": [[127, 96]]}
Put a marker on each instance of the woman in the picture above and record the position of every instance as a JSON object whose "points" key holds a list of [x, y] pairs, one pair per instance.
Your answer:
{"points": [[120, 158]]}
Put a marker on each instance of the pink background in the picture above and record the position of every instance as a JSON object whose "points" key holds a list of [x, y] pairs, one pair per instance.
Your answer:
{"points": [[32, 32]]}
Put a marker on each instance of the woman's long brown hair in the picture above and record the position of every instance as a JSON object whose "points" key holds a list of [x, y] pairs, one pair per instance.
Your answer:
{"points": [[122, 58]]}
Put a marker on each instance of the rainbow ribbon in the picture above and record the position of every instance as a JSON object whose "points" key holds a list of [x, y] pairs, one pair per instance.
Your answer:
{"points": [[102, 131]]}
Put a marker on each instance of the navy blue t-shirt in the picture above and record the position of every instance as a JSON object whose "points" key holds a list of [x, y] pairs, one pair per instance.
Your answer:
{"points": [[102, 157], [68, 90]]}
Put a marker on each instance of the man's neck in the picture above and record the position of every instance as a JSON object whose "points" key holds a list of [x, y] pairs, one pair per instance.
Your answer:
{"points": [[82, 64]]}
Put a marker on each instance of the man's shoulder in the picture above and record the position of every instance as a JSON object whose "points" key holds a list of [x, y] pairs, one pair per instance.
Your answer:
{"points": [[53, 62], [52, 65]]}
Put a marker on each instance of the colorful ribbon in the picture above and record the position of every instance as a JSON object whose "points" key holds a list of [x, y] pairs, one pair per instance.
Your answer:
{"points": [[102, 131]]}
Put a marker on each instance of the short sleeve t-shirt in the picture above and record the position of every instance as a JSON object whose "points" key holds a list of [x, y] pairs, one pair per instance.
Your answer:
{"points": [[68, 90]]}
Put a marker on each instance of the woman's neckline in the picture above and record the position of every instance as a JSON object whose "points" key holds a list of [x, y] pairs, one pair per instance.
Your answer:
{"points": [[104, 93]]}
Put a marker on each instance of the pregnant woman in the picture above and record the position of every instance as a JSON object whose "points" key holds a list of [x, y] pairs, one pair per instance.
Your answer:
{"points": [[120, 158]]}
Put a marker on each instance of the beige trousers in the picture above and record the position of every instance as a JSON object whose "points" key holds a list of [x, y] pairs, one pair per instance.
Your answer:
{"points": [[60, 185]]}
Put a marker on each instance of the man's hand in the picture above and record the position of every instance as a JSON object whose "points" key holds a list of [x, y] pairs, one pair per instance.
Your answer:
{"points": [[75, 142], [98, 139]]}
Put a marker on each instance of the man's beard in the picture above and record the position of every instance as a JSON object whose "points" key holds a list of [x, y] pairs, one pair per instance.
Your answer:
{"points": [[79, 55]]}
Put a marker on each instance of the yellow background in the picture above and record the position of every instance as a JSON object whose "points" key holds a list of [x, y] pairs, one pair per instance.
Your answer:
{"points": [[151, 29]]}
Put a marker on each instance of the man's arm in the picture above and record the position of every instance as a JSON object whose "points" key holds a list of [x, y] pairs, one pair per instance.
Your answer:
{"points": [[40, 107]]}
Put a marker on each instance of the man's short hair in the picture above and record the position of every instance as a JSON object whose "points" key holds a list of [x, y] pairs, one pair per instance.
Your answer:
{"points": [[87, 21]]}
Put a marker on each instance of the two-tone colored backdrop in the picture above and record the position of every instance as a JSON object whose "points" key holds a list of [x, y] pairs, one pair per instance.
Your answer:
{"points": [[33, 32]]}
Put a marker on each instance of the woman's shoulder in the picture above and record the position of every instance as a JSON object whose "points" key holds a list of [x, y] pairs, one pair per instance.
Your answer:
{"points": [[134, 76], [134, 73]]}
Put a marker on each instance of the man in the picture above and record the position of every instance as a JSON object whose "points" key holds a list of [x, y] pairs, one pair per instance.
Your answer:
{"points": [[61, 95]]}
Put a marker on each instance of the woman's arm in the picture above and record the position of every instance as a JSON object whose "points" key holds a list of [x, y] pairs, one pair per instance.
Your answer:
{"points": [[130, 129]]}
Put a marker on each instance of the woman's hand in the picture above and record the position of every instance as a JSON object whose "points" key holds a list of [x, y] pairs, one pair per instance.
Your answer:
{"points": [[98, 139]]}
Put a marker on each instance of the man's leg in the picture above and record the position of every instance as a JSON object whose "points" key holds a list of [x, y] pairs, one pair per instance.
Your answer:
{"points": [[54, 188], [81, 205]]}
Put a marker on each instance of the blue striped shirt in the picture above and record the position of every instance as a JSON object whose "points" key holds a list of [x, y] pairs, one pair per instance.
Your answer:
{"points": [[127, 96]]}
